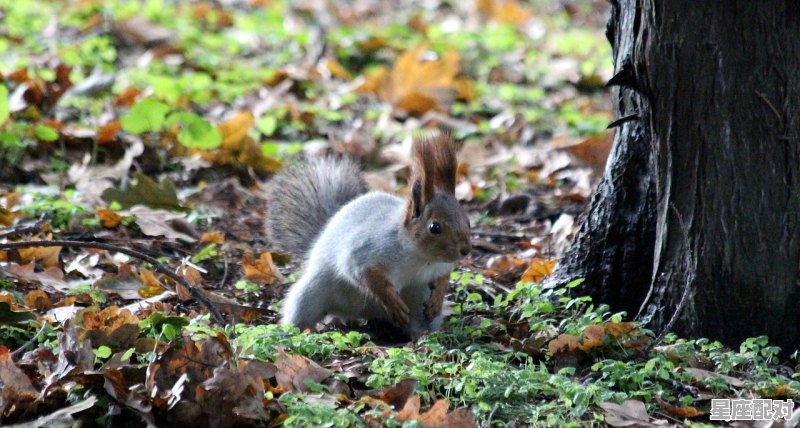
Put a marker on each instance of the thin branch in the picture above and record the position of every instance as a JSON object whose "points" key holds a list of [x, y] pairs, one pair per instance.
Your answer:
{"points": [[24, 228], [26, 345], [158, 266]]}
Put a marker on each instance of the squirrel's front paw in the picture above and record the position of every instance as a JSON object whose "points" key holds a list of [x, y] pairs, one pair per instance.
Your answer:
{"points": [[433, 307], [397, 310]]}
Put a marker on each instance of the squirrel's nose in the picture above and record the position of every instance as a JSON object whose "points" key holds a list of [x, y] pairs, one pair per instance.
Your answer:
{"points": [[465, 250]]}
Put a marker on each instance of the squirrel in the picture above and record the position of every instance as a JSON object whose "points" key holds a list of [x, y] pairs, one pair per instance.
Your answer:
{"points": [[375, 255]]}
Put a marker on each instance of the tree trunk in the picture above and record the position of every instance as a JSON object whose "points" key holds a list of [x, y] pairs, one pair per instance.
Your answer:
{"points": [[703, 183]]}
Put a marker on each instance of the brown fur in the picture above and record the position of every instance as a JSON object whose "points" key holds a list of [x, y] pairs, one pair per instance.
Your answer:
{"points": [[382, 290], [433, 307], [433, 169]]}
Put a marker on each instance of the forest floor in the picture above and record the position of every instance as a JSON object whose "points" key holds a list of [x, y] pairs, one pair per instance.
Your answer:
{"points": [[154, 125]]}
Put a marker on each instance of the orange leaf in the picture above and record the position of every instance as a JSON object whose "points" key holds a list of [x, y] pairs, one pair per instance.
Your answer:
{"points": [[193, 276], [616, 329], [108, 132], [234, 130], [39, 300], [262, 270], [680, 412], [215, 237], [562, 343], [592, 337], [127, 97], [436, 414], [538, 270], [151, 285], [48, 256], [109, 219], [417, 84], [336, 69]]}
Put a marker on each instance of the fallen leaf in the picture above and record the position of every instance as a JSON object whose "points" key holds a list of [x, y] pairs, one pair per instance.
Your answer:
{"points": [[145, 191], [262, 270], [127, 98], [140, 31], [47, 256], [505, 11], [417, 84], [680, 412], [52, 278], [701, 375], [152, 287], [538, 270], [108, 218], [593, 151], [215, 237], [17, 387], [155, 222], [8, 313], [629, 413], [234, 130], [108, 132], [294, 370], [39, 300], [398, 395]]}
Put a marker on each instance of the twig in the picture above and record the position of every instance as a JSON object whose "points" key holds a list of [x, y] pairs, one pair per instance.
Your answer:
{"points": [[23, 228], [21, 349], [197, 294]]}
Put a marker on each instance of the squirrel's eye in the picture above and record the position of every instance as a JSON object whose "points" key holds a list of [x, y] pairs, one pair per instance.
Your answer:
{"points": [[435, 228]]}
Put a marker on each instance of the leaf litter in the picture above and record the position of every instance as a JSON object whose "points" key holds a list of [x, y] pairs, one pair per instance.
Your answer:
{"points": [[155, 129]]}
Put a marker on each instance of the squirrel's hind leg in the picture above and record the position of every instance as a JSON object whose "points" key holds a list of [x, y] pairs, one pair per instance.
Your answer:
{"points": [[305, 304]]}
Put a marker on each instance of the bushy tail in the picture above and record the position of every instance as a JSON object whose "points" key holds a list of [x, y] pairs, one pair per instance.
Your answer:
{"points": [[302, 198]]}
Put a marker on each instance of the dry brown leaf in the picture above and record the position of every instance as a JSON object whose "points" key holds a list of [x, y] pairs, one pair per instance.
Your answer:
{"points": [[39, 300], [108, 218], [592, 337], [505, 267], [594, 150], [294, 370], [701, 375], [563, 343], [8, 201], [416, 84], [629, 413], [215, 237], [436, 414], [234, 130], [410, 410], [262, 270], [17, 387], [506, 11], [616, 329], [47, 256], [193, 276], [108, 133], [538, 270], [113, 327], [127, 97], [398, 395], [337, 69], [152, 287], [52, 278], [680, 412]]}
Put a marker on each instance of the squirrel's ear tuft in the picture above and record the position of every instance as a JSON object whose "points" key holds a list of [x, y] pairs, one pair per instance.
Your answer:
{"points": [[416, 199], [435, 163]]}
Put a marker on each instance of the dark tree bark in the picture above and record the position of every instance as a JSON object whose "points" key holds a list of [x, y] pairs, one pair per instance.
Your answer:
{"points": [[699, 206]]}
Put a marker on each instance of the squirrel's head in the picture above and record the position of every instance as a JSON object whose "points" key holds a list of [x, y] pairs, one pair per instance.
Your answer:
{"points": [[434, 219]]}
